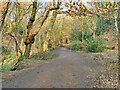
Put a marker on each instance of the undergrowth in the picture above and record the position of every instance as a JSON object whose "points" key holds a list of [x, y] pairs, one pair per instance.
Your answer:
{"points": [[8, 62], [89, 45]]}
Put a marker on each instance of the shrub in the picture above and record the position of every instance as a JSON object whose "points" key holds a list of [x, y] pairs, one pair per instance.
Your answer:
{"points": [[90, 45], [95, 45], [76, 45]]}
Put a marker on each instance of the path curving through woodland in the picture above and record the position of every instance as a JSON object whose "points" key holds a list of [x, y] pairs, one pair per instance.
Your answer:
{"points": [[68, 69]]}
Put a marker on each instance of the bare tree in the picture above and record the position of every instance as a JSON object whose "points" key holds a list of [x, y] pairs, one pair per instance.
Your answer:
{"points": [[32, 33]]}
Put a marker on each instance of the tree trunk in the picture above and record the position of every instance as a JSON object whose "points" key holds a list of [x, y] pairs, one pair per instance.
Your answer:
{"points": [[51, 30], [18, 50], [29, 28], [24, 24], [118, 23], [4, 8], [27, 50], [82, 30]]}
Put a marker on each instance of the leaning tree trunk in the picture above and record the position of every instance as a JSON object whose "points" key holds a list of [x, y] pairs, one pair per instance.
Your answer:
{"points": [[29, 28], [118, 23], [18, 49], [51, 30]]}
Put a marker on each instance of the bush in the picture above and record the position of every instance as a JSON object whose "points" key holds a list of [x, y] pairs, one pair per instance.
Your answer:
{"points": [[90, 45], [95, 45], [76, 45]]}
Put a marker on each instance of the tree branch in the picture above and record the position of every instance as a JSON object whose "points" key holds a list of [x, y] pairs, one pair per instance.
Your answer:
{"points": [[16, 42], [34, 33]]}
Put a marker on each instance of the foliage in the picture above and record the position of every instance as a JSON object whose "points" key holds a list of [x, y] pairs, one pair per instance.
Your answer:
{"points": [[7, 62], [90, 45], [74, 36], [95, 45], [76, 45], [105, 25]]}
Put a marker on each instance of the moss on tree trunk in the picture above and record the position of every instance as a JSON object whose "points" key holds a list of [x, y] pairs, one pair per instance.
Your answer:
{"points": [[29, 28]]}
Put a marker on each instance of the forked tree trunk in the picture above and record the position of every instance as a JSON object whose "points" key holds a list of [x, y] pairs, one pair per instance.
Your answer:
{"points": [[31, 34], [29, 28]]}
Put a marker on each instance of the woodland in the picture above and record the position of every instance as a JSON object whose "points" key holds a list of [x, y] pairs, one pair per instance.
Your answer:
{"points": [[31, 30]]}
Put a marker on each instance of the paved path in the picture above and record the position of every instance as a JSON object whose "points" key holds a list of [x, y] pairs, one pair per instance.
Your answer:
{"points": [[68, 70]]}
